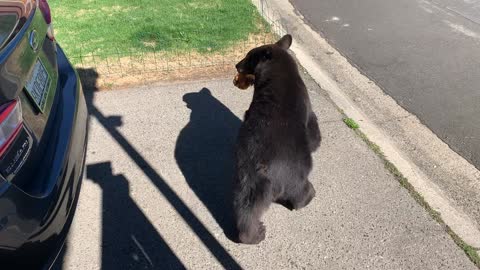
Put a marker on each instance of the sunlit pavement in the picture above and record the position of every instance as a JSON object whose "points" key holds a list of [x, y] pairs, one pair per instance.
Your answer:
{"points": [[155, 194]]}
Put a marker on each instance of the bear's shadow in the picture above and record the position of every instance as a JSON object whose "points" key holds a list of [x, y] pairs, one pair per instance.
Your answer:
{"points": [[205, 154]]}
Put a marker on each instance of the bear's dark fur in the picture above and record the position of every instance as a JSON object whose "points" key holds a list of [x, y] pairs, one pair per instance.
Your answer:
{"points": [[275, 141]]}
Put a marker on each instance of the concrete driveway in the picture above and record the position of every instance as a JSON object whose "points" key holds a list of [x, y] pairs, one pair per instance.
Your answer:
{"points": [[158, 172]]}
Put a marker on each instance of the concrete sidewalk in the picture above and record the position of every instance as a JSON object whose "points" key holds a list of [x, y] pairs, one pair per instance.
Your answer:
{"points": [[158, 169]]}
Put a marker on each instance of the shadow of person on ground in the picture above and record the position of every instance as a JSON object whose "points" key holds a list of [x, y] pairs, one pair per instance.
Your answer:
{"points": [[205, 154], [89, 80], [129, 240]]}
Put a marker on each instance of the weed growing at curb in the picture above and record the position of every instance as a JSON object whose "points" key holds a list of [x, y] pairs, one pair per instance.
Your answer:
{"points": [[351, 123]]}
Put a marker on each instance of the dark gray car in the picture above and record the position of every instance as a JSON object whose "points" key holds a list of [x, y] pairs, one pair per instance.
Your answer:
{"points": [[42, 137]]}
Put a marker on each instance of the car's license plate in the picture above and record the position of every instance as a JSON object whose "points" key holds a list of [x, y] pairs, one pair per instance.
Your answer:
{"points": [[38, 84]]}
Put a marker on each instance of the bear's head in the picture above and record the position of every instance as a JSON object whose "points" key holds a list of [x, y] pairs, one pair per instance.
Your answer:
{"points": [[257, 59]]}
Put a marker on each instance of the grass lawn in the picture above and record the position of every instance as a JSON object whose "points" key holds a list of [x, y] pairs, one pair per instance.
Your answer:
{"points": [[104, 27]]}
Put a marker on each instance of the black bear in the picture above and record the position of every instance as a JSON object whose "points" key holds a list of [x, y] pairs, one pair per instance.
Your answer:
{"points": [[275, 141]]}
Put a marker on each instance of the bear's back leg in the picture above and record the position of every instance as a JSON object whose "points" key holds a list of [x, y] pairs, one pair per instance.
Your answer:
{"points": [[252, 198], [313, 133], [298, 196]]}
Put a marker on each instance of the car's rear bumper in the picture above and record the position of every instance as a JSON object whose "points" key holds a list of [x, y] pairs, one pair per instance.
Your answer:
{"points": [[33, 229]]}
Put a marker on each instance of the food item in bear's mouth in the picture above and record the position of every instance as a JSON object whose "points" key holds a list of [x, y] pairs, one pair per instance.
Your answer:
{"points": [[243, 81]]}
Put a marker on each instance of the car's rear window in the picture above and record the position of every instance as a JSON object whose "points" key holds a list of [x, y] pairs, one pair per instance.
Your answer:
{"points": [[8, 22]]}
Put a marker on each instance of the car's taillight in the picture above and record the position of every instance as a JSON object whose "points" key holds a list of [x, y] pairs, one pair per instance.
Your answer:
{"points": [[10, 124], [45, 8]]}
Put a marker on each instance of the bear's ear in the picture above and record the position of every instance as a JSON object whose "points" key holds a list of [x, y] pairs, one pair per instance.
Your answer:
{"points": [[285, 42], [205, 91]]}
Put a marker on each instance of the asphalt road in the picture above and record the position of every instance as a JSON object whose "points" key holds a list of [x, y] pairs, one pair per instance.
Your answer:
{"points": [[158, 171], [425, 54]]}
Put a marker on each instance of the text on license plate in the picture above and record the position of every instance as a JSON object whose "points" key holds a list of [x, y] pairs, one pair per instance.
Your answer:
{"points": [[38, 84]]}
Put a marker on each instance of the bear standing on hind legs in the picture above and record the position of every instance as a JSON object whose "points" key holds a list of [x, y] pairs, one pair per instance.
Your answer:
{"points": [[275, 141]]}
